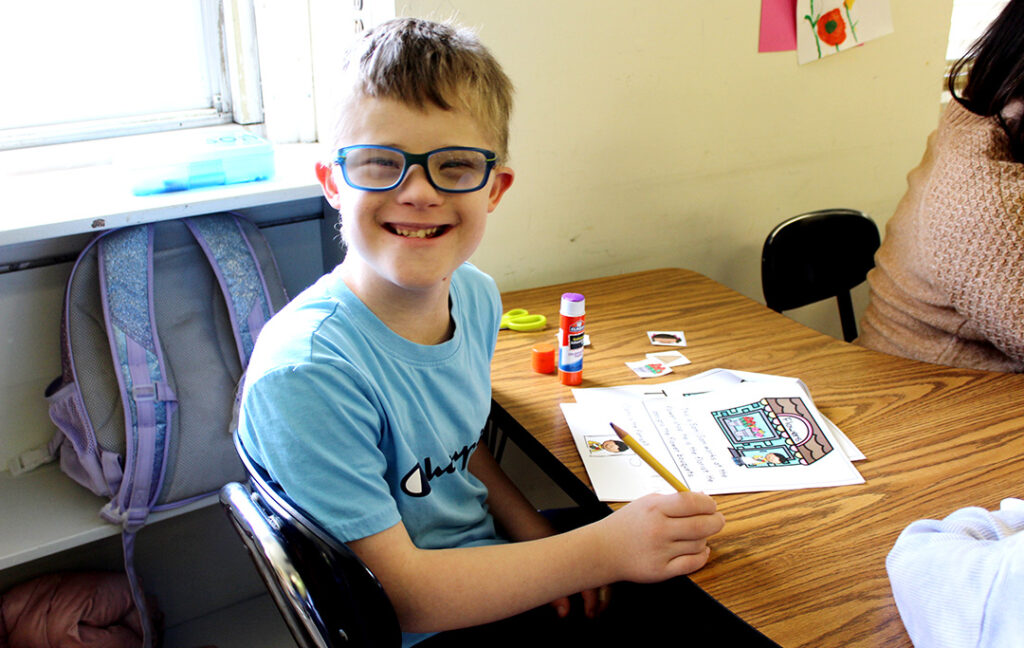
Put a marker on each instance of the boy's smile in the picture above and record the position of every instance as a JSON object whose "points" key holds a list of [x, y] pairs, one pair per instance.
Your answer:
{"points": [[406, 242], [414, 232]]}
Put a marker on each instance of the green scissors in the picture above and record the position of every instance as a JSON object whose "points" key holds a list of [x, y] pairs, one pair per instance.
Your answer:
{"points": [[519, 319]]}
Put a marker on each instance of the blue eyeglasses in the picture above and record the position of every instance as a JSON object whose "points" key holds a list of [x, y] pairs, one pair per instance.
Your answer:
{"points": [[453, 169]]}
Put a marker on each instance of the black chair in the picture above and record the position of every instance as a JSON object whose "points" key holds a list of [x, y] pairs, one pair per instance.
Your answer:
{"points": [[816, 256], [326, 595]]}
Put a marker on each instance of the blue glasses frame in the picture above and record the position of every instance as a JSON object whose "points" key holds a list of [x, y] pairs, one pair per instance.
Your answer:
{"points": [[490, 157]]}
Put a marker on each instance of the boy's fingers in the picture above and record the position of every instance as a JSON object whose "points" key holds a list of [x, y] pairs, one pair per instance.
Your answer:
{"points": [[590, 603], [686, 504], [689, 563], [595, 601], [561, 606], [696, 527]]}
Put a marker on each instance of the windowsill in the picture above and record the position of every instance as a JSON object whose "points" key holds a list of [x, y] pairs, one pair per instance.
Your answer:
{"points": [[39, 201]]}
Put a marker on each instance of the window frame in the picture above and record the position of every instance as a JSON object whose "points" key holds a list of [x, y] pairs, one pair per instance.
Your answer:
{"points": [[229, 37]]}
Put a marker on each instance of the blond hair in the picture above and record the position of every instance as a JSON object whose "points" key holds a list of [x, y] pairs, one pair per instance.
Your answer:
{"points": [[423, 63]]}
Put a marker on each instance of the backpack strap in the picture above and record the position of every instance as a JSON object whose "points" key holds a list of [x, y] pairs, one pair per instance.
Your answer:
{"points": [[126, 288], [239, 273]]}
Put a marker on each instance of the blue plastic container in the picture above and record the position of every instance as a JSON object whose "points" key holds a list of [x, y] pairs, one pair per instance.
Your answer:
{"points": [[203, 159]]}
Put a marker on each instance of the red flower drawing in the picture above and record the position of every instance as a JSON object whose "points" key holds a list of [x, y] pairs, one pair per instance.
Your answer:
{"points": [[831, 28]]}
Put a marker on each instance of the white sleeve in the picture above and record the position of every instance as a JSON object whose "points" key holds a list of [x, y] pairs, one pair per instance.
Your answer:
{"points": [[960, 581]]}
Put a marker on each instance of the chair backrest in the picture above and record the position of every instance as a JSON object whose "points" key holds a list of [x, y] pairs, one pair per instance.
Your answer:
{"points": [[326, 595], [816, 256]]}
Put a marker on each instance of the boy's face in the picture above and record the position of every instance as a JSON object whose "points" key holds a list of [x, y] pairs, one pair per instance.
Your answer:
{"points": [[413, 236]]}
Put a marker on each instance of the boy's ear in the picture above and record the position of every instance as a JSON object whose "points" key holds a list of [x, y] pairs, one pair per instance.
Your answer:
{"points": [[325, 174], [502, 180]]}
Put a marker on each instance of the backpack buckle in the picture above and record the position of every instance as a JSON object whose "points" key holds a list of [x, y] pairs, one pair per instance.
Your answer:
{"points": [[158, 391], [30, 460]]}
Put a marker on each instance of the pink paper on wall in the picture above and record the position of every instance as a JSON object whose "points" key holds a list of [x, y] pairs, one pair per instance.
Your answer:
{"points": [[778, 27]]}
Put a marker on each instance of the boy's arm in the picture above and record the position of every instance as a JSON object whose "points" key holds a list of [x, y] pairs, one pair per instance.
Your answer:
{"points": [[521, 521], [510, 508], [652, 539]]}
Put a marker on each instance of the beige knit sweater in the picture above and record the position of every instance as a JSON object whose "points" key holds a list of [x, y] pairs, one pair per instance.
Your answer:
{"points": [[948, 286]]}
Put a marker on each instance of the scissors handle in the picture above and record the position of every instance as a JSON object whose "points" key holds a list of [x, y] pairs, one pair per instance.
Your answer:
{"points": [[519, 319]]}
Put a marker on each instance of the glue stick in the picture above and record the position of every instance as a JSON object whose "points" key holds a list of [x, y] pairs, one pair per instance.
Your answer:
{"points": [[570, 339]]}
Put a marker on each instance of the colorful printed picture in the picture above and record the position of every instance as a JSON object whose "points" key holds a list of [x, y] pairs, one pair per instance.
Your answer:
{"points": [[826, 27], [772, 432], [599, 446], [649, 368]]}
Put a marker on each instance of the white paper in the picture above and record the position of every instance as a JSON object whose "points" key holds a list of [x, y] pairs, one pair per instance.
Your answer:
{"points": [[687, 436]]}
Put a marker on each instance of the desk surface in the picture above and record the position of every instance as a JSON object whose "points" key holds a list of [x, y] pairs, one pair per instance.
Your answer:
{"points": [[805, 567]]}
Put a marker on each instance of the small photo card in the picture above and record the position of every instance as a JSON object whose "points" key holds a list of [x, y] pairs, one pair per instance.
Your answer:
{"points": [[669, 358], [649, 368], [605, 446], [667, 338]]}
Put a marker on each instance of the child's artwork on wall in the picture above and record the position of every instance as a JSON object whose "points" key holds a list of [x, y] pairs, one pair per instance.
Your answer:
{"points": [[825, 27]]}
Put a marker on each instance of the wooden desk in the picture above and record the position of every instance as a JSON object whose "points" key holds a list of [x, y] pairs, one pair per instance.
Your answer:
{"points": [[805, 567]]}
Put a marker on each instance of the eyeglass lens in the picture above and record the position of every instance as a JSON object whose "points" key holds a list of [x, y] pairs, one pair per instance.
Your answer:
{"points": [[449, 169]]}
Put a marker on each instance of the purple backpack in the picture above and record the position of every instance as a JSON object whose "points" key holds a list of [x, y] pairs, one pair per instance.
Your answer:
{"points": [[158, 325]]}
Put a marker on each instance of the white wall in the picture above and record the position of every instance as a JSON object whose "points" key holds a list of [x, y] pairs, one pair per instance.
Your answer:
{"points": [[651, 134]]}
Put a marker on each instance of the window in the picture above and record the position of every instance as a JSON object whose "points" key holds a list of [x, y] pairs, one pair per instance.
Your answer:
{"points": [[89, 70], [968, 22]]}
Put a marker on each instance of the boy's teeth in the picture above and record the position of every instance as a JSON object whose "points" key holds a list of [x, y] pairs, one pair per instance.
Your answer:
{"points": [[417, 233]]}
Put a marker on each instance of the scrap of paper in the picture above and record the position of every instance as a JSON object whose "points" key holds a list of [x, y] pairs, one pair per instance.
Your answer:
{"points": [[667, 338], [778, 29], [669, 358], [649, 368], [825, 27]]}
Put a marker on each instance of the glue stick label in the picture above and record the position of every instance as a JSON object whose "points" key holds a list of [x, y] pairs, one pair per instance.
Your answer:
{"points": [[570, 345], [570, 338]]}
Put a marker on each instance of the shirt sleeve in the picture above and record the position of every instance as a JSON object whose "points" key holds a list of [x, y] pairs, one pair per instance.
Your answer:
{"points": [[960, 581], [317, 432]]}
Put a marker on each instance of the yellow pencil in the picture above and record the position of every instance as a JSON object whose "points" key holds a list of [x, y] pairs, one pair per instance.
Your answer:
{"points": [[635, 446]]}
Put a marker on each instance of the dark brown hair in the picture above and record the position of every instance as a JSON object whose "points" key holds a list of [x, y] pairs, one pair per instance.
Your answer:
{"points": [[995, 75]]}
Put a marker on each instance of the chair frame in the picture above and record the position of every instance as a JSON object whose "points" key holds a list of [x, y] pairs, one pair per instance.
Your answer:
{"points": [[326, 595]]}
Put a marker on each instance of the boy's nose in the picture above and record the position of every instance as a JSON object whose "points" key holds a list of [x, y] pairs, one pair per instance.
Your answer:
{"points": [[416, 187]]}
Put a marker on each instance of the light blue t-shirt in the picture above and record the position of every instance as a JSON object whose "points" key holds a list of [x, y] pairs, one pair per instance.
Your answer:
{"points": [[364, 428]]}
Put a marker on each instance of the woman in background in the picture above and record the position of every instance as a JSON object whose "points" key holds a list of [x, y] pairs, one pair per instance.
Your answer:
{"points": [[948, 286], [948, 289]]}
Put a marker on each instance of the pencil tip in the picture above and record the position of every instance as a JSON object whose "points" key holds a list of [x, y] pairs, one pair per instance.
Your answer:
{"points": [[619, 431]]}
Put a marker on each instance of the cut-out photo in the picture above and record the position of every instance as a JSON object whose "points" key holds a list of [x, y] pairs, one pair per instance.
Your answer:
{"points": [[667, 338], [606, 446]]}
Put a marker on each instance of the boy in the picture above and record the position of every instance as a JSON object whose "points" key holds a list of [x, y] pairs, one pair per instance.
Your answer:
{"points": [[366, 395]]}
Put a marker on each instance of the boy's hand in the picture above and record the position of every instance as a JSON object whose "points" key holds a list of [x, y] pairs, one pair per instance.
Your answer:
{"points": [[661, 536]]}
